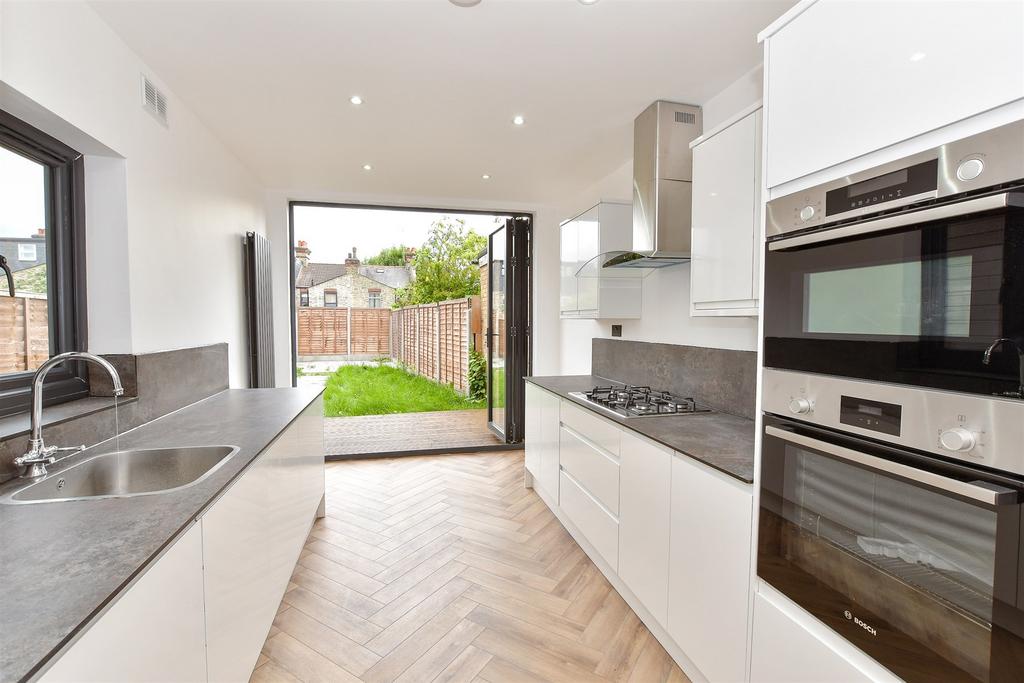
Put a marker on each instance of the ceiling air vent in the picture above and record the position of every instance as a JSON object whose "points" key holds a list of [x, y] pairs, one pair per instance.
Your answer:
{"points": [[153, 100], [685, 117]]}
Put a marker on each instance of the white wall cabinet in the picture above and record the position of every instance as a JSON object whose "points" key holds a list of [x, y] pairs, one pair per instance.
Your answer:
{"points": [[644, 513], [601, 229], [847, 78], [542, 425], [709, 568], [154, 632], [203, 610], [726, 237]]}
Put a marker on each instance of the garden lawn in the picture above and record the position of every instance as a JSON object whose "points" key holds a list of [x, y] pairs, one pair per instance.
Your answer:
{"points": [[381, 390]]}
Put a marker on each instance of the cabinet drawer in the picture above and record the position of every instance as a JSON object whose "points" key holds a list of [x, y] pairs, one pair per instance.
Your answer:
{"points": [[592, 428], [593, 521], [595, 470]]}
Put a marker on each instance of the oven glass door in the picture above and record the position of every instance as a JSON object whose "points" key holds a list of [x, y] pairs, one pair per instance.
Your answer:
{"points": [[918, 568], [916, 305]]}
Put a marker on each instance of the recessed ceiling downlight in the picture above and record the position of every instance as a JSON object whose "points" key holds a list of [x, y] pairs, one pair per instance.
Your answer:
{"points": [[464, 3], [588, 2], [518, 119], [356, 100], [367, 167], [486, 176]]}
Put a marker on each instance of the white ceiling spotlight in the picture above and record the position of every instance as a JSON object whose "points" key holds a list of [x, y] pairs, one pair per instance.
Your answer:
{"points": [[486, 176], [367, 167], [464, 3], [356, 100], [917, 56], [518, 119], [588, 2]]}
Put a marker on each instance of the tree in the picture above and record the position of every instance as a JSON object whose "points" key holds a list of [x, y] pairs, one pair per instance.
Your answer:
{"points": [[392, 256], [445, 265]]}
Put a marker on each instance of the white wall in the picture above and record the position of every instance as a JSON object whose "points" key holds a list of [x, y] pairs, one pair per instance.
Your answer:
{"points": [[545, 278], [665, 314], [166, 207]]}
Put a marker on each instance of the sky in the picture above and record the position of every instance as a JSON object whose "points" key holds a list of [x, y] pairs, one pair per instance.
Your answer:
{"points": [[22, 207], [331, 232]]}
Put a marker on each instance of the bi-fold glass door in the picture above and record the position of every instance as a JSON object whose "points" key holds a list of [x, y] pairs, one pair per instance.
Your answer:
{"points": [[508, 327]]}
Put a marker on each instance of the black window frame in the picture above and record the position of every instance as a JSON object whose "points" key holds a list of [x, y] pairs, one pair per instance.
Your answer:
{"points": [[65, 266], [304, 298]]}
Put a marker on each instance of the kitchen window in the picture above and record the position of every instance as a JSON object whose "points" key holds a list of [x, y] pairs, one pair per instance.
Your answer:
{"points": [[304, 297], [41, 198], [374, 298], [331, 298]]}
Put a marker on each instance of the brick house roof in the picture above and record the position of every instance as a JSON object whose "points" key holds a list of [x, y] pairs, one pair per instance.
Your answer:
{"points": [[313, 274]]}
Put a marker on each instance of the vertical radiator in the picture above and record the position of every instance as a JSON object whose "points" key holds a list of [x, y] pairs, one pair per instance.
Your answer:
{"points": [[259, 303]]}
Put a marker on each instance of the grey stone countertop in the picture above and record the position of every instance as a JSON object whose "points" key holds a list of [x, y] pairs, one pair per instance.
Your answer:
{"points": [[62, 563], [719, 440]]}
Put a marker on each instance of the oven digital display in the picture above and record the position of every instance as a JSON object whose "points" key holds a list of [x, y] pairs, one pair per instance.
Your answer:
{"points": [[906, 182], [873, 415]]}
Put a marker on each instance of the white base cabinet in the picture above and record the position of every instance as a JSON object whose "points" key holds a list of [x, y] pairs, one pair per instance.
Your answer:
{"points": [[203, 610], [644, 512], [709, 568], [783, 651], [672, 534], [542, 425], [154, 633]]}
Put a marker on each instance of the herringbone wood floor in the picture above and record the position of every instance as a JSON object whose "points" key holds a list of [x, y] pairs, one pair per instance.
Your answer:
{"points": [[445, 568]]}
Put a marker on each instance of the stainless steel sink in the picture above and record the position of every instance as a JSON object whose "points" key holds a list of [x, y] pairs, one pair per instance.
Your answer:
{"points": [[125, 474]]}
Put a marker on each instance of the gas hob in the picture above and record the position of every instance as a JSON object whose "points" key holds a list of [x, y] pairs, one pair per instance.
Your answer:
{"points": [[629, 401]]}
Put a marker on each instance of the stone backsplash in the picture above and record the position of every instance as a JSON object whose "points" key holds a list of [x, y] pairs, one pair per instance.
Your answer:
{"points": [[722, 378]]}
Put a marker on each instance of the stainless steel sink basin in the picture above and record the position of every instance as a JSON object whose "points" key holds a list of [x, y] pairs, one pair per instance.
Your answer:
{"points": [[126, 473]]}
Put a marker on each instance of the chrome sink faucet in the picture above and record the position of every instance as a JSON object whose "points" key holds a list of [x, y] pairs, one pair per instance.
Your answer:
{"points": [[987, 359], [40, 455]]}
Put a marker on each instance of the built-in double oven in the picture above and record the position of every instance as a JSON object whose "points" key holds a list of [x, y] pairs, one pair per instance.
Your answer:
{"points": [[892, 464]]}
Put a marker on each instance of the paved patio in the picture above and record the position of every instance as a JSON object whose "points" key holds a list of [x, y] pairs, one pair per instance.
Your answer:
{"points": [[379, 434]]}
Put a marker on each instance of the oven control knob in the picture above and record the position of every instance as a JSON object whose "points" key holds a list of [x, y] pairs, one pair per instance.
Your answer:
{"points": [[800, 406], [969, 169], [807, 213], [957, 439]]}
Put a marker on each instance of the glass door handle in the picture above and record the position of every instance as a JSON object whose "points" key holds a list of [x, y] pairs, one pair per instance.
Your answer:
{"points": [[934, 213], [983, 492]]}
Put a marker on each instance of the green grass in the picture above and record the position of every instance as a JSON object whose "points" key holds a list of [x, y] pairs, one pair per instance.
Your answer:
{"points": [[382, 390]]}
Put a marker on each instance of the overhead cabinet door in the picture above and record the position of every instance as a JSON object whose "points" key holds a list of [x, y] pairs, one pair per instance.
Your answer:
{"points": [[848, 78]]}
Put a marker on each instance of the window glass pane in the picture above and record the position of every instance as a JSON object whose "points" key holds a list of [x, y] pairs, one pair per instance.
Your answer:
{"points": [[24, 324]]}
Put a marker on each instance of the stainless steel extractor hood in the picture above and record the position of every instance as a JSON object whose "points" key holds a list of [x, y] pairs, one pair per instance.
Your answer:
{"points": [[662, 193]]}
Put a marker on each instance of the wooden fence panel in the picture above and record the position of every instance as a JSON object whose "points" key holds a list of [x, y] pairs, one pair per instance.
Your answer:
{"points": [[433, 340], [325, 331], [24, 333]]}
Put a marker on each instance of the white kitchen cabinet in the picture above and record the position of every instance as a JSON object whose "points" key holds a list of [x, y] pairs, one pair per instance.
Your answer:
{"points": [[252, 537], [542, 416], [644, 514], [154, 632], [847, 78], [783, 651], [709, 568], [726, 233], [603, 228]]}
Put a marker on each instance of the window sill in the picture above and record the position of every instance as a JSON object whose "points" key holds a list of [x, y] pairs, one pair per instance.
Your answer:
{"points": [[14, 426]]}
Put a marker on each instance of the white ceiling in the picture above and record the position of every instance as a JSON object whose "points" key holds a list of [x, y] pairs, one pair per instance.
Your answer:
{"points": [[440, 83]]}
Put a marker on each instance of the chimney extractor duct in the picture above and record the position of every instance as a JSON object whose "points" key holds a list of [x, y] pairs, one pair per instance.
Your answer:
{"points": [[662, 190]]}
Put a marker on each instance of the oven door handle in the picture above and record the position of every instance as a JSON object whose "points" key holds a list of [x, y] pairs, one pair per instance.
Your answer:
{"points": [[981, 491], [994, 201]]}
